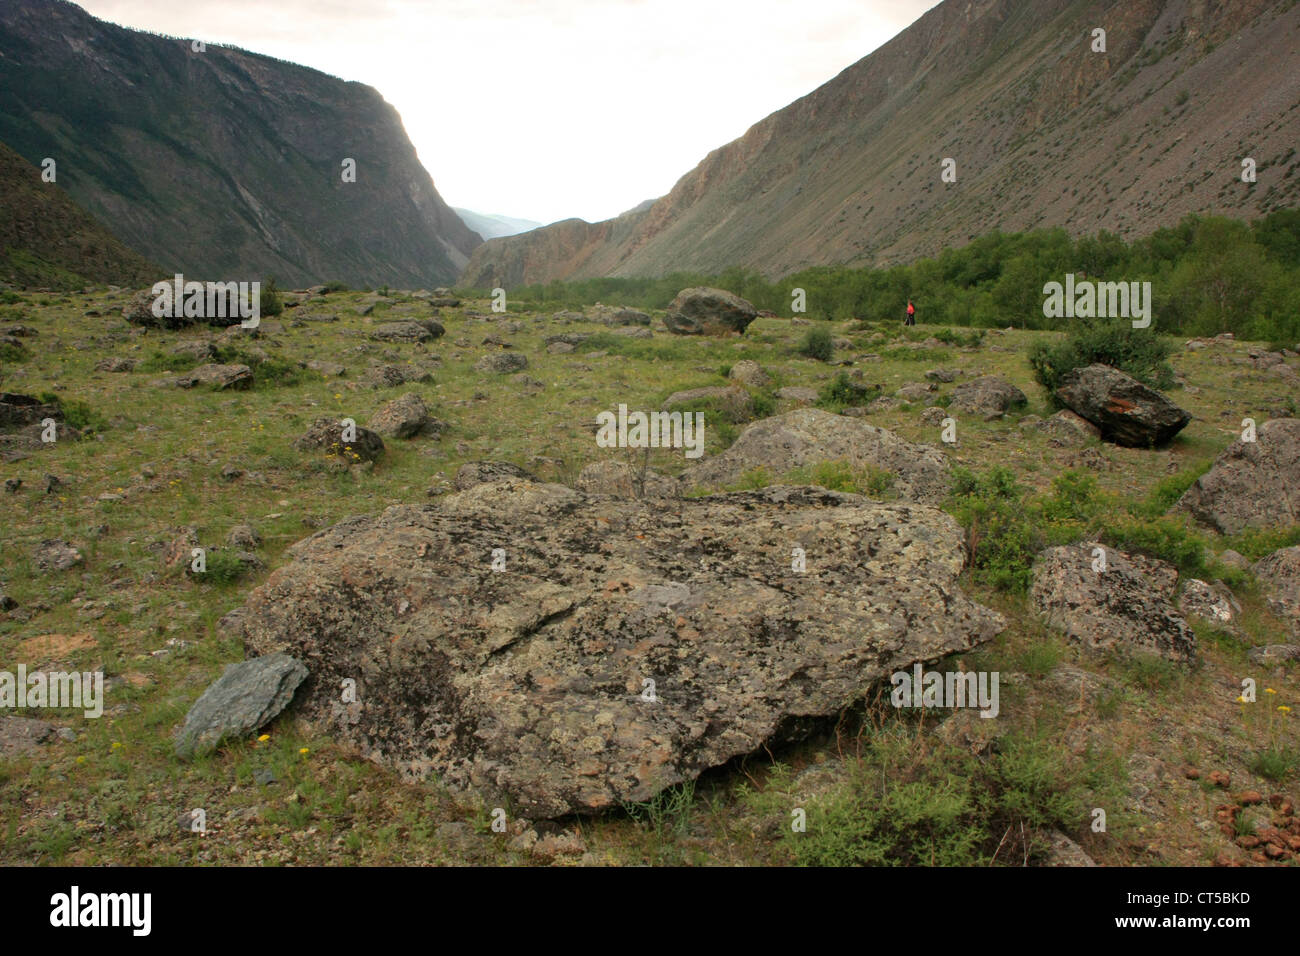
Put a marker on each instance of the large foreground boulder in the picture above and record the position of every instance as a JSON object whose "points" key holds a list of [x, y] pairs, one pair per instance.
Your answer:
{"points": [[1126, 411], [808, 436], [1252, 484], [622, 646], [705, 311], [1123, 603]]}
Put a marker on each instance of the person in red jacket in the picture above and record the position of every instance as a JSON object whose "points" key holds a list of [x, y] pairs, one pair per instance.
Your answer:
{"points": [[911, 313]]}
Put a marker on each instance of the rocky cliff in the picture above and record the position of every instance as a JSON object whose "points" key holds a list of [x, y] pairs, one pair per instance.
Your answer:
{"points": [[1043, 131], [219, 161]]}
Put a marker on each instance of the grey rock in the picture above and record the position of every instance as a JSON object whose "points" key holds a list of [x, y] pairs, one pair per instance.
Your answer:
{"points": [[809, 436], [529, 684], [1252, 484], [407, 331], [326, 434], [501, 362], [54, 554], [794, 393], [405, 417], [706, 311], [1126, 606], [988, 396], [1067, 428], [481, 472], [749, 373], [20, 736], [1279, 577], [1126, 411], [246, 697], [1210, 602], [218, 377], [620, 479]]}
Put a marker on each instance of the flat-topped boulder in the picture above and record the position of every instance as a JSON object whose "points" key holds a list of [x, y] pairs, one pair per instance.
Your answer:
{"points": [[621, 646]]}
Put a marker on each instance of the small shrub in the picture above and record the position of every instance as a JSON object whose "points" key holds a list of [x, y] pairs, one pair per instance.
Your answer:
{"points": [[272, 303], [1138, 352], [335, 286], [817, 344], [842, 392]]}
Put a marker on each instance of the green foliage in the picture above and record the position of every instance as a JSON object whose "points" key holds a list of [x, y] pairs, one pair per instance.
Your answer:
{"points": [[76, 413], [842, 475], [901, 353], [1256, 543], [817, 344], [10, 352], [335, 286], [160, 362], [905, 809], [841, 392], [1138, 352], [1001, 540], [272, 302], [1208, 275], [223, 568]]}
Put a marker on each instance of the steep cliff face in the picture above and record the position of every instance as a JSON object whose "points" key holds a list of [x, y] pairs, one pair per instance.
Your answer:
{"points": [[1043, 131], [46, 240], [222, 162]]}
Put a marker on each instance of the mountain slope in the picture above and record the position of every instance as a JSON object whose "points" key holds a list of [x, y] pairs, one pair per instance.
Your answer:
{"points": [[46, 240], [491, 226], [222, 162], [1044, 132]]}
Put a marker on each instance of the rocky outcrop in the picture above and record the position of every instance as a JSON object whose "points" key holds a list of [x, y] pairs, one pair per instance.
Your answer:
{"points": [[407, 331], [328, 435], [1123, 409], [405, 417], [1252, 484], [808, 436], [625, 647], [261, 183], [1123, 603], [705, 311]]}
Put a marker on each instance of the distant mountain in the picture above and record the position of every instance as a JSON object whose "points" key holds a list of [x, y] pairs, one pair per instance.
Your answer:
{"points": [[46, 240], [222, 163], [1043, 132], [491, 226]]}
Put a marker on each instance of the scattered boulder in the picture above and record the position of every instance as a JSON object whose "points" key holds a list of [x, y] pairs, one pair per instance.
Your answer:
{"points": [[916, 392], [749, 373], [246, 697], [934, 415], [1210, 602], [218, 377], [1125, 606], [622, 480], [243, 537], [1126, 411], [326, 434], [474, 473], [988, 396], [328, 369], [1252, 484], [405, 417], [735, 404], [20, 736], [501, 362], [633, 332], [55, 554], [1279, 577], [533, 684], [808, 436], [794, 393], [1067, 428], [407, 331], [1274, 653], [1062, 851], [19, 411], [943, 374], [200, 350], [392, 376], [706, 311], [114, 364]]}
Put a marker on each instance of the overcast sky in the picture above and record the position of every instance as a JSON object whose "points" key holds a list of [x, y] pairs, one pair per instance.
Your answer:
{"points": [[547, 109]]}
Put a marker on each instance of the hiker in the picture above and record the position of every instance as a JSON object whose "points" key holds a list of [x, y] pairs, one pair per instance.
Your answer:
{"points": [[911, 313]]}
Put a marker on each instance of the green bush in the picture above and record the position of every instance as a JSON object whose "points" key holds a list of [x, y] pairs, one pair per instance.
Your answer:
{"points": [[817, 344], [1139, 352], [76, 414], [272, 303], [841, 392], [1001, 540]]}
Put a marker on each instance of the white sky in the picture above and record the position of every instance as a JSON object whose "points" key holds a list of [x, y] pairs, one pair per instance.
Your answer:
{"points": [[548, 109]]}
